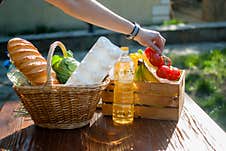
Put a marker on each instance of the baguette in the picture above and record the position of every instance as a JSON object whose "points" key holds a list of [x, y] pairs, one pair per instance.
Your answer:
{"points": [[26, 57]]}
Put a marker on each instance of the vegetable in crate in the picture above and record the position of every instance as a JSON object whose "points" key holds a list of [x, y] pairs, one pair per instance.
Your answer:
{"points": [[64, 66], [163, 64]]}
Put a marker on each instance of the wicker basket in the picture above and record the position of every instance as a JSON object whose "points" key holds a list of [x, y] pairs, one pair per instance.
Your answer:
{"points": [[58, 106]]}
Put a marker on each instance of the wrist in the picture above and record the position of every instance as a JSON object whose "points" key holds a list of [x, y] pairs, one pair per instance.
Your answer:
{"points": [[135, 31]]}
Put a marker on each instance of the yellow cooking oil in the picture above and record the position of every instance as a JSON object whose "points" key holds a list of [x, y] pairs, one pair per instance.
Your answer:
{"points": [[123, 104]]}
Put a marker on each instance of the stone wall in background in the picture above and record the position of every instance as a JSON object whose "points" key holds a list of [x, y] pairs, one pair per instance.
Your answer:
{"points": [[31, 15]]}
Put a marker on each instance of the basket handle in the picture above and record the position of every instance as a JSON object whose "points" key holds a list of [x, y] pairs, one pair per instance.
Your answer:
{"points": [[49, 59]]}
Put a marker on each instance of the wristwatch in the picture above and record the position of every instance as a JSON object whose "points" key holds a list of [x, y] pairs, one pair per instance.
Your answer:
{"points": [[135, 31]]}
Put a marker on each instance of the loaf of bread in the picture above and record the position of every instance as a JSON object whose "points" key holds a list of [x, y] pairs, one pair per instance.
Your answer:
{"points": [[26, 57]]}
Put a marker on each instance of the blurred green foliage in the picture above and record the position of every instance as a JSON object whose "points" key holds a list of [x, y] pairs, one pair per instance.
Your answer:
{"points": [[206, 81], [172, 22]]}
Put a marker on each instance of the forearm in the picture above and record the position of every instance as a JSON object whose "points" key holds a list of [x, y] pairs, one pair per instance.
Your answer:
{"points": [[93, 12]]}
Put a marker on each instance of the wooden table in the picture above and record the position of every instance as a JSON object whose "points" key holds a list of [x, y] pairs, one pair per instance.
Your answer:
{"points": [[194, 131]]}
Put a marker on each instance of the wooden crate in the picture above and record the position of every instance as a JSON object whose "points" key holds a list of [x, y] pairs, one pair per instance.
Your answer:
{"points": [[152, 100]]}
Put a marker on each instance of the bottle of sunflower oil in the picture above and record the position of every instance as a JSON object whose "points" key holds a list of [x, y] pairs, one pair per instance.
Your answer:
{"points": [[123, 104]]}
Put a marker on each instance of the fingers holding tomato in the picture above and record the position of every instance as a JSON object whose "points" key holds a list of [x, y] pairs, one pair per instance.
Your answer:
{"points": [[165, 70], [155, 58]]}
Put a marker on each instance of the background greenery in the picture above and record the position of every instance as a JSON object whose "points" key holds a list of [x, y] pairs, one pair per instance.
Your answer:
{"points": [[206, 81]]}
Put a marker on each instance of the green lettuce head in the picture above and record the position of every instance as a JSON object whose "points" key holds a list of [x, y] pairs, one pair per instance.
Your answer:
{"points": [[64, 66]]}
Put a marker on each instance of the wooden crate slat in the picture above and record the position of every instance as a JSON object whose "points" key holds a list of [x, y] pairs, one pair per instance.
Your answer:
{"points": [[148, 99], [107, 109], [156, 113], [161, 89], [107, 96], [149, 112], [164, 101], [181, 95]]}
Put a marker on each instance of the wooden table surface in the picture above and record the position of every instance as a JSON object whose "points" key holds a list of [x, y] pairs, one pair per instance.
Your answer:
{"points": [[194, 131]]}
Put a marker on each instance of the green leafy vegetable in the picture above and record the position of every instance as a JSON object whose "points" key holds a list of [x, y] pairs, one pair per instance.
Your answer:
{"points": [[64, 66], [206, 81]]}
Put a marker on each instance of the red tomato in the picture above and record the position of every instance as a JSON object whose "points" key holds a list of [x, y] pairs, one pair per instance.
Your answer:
{"points": [[163, 71], [157, 60], [154, 58], [148, 52], [174, 74]]}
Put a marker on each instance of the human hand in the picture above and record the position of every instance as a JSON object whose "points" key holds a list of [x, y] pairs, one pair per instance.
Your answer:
{"points": [[151, 38]]}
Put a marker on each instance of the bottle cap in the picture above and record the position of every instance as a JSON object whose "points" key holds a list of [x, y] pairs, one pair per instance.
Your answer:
{"points": [[125, 48]]}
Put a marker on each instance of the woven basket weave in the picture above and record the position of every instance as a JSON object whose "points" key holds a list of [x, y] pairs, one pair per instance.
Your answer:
{"points": [[58, 106]]}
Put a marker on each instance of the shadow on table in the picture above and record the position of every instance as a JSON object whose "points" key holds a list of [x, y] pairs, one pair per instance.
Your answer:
{"points": [[103, 135]]}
